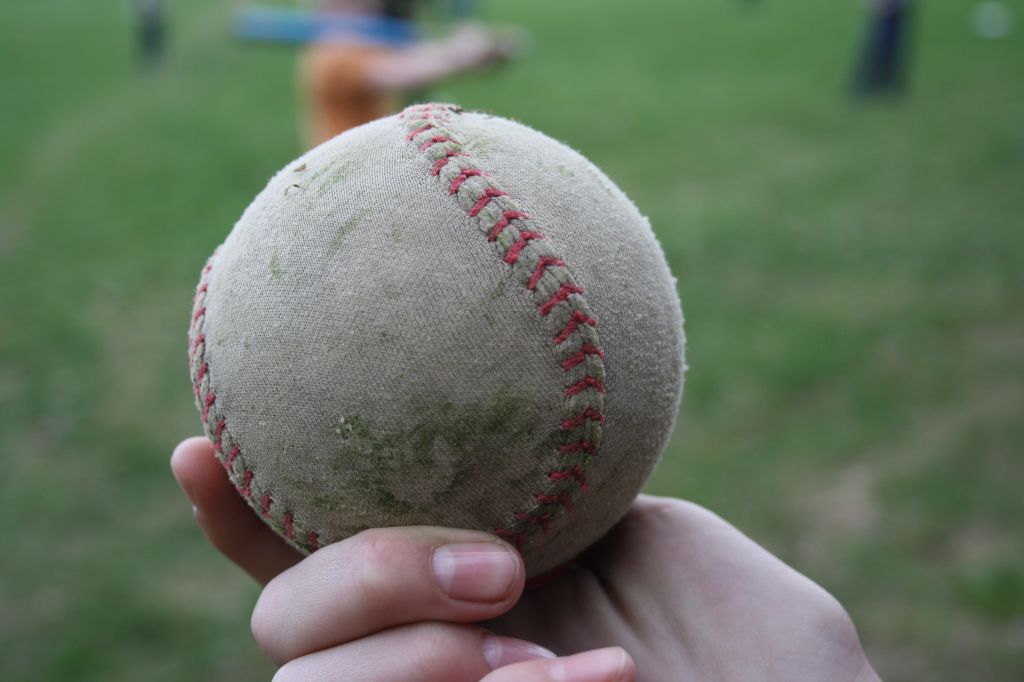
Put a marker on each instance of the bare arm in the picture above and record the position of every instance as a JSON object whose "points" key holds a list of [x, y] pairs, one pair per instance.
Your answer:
{"points": [[468, 47]]}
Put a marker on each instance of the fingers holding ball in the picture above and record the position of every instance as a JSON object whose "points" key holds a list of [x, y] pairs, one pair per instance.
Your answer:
{"points": [[384, 578]]}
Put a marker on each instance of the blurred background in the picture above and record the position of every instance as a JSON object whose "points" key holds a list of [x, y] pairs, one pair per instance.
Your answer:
{"points": [[851, 269]]}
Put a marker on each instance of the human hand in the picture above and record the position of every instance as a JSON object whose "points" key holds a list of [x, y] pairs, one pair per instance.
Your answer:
{"points": [[480, 45], [686, 594]]}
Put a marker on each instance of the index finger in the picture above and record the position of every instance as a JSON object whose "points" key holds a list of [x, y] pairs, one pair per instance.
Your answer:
{"points": [[383, 578]]}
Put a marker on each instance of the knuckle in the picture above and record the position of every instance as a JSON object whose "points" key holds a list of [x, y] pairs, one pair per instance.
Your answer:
{"points": [[833, 621], [375, 553], [673, 508], [830, 621], [657, 512], [376, 542], [434, 636], [440, 648]]}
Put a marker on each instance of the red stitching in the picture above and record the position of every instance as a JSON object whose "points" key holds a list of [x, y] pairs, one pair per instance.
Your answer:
{"points": [[506, 218], [541, 515], [580, 446], [562, 499], [437, 139], [203, 369], [590, 414], [577, 319], [489, 194], [540, 519], [466, 174], [417, 131], [208, 400], [512, 255], [585, 350], [575, 473], [246, 488], [422, 109], [211, 397], [518, 539], [443, 161], [195, 345], [563, 293], [289, 529], [218, 434], [583, 384], [542, 265]]}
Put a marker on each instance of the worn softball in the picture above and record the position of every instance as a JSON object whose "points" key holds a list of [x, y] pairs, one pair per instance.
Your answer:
{"points": [[439, 318]]}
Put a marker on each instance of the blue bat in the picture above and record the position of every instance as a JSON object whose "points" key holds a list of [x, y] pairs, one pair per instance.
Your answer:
{"points": [[281, 25]]}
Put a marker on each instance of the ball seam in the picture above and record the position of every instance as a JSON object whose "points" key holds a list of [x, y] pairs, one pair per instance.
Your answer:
{"points": [[559, 299], [225, 446]]}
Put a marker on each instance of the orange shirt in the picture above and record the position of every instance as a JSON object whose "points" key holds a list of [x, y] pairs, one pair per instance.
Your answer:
{"points": [[339, 94]]}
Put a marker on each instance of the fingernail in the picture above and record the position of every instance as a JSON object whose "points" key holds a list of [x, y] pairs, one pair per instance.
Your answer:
{"points": [[501, 651], [602, 665], [479, 571]]}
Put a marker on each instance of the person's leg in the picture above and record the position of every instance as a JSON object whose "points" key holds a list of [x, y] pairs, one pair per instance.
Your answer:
{"points": [[152, 40], [888, 50], [868, 73], [903, 36], [151, 31]]}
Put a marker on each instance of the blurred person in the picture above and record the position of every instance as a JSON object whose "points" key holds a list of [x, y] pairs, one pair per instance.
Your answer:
{"points": [[151, 31], [882, 67], [673, 592], [348, 83]]}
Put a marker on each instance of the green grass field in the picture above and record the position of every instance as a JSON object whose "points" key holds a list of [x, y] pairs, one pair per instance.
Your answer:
{"points": [[852, 277]]}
